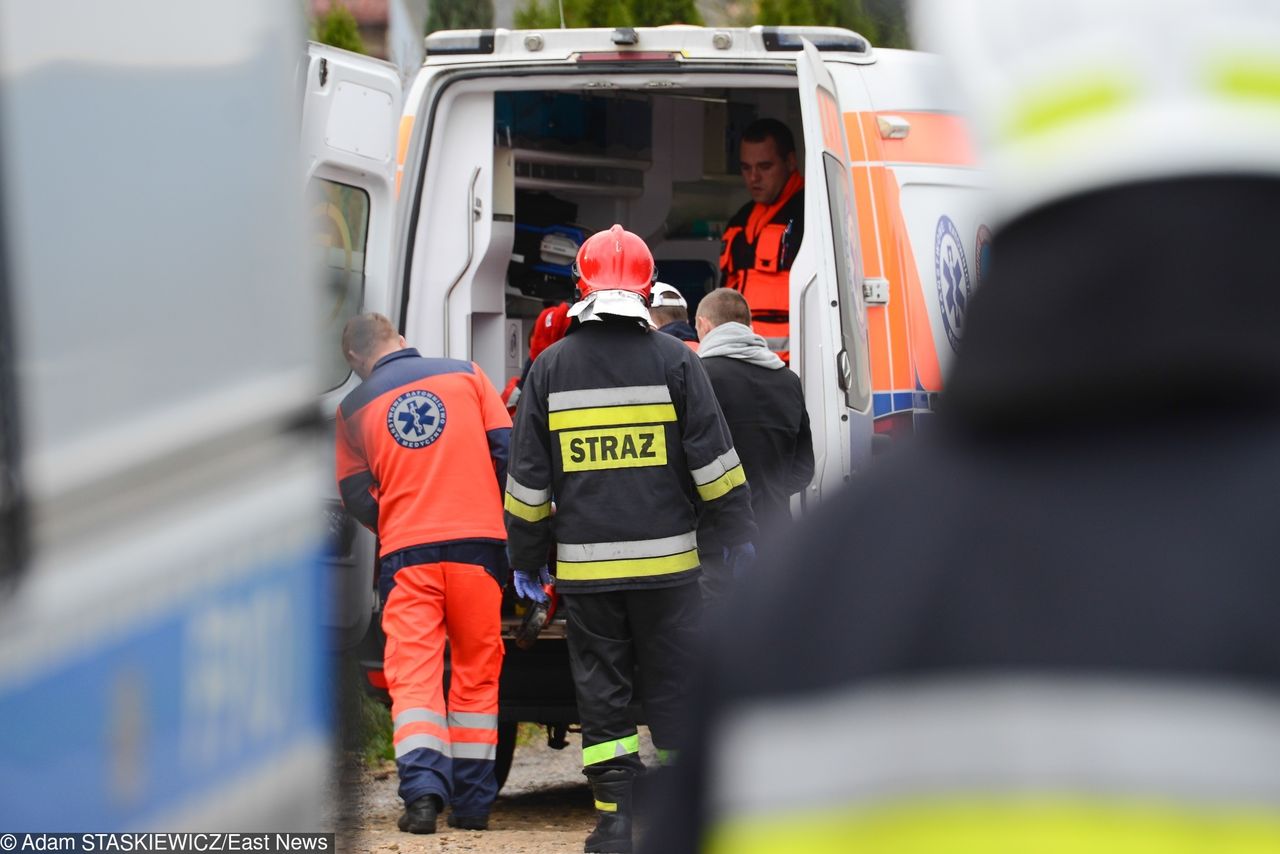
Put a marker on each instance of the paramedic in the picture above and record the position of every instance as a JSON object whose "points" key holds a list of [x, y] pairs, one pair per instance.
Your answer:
{"points": [[763, 405], [619, 426], [410, 439], [670, 314], [1051, 625], [762, 238]]}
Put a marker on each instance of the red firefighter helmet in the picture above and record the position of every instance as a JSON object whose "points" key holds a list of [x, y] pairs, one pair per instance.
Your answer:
{"points": [[614, 260]]}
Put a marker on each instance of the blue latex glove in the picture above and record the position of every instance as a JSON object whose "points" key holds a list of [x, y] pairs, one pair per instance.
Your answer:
{"points": [[741, 561], [529, 583]]}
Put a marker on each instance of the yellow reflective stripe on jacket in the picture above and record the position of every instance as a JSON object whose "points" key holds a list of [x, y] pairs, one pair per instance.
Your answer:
{"points": [[1020, 825], [527, 494], [722, 485], [603, 570], [598, 753], [527, 512], [608, 416], [584, 398]]}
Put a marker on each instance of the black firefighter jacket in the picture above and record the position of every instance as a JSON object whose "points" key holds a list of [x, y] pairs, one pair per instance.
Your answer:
{"points": [[620, 428]]}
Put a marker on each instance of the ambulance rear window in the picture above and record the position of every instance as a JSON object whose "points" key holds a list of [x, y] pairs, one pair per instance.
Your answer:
{"points": [[339, 224]]}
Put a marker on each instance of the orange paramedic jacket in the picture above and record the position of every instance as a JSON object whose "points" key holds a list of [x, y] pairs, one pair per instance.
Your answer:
{"points": [[422, 452], [759, 245]]}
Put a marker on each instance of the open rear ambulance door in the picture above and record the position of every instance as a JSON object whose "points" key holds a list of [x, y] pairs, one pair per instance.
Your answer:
{"points": [[827, 308], [351, 111]]}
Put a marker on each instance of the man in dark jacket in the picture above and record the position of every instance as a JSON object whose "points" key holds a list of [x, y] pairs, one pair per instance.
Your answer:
{"points": [[669, 312], [1052, 626], [763, 404]]}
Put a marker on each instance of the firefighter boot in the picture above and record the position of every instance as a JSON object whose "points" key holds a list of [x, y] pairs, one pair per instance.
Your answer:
{"points": [[612, 791], [420, 816]]}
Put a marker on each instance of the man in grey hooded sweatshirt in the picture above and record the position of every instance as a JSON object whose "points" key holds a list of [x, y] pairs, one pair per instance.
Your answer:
{"points": [[764, 407]]}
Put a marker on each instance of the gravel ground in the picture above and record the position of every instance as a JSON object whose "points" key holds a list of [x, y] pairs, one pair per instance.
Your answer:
{"points": [[545, 808]]}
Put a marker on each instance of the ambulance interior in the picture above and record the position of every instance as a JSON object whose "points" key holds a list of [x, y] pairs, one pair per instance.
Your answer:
{"points": [[570, 162]]}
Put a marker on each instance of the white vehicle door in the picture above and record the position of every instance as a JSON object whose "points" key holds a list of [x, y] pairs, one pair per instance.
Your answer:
{"points": [[826, 291], [351, 112]]}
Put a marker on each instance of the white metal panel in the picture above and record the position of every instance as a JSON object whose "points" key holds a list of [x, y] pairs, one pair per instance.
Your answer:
{"points": [[815, 297], [358, 122], [944, 210], [350, 121]]}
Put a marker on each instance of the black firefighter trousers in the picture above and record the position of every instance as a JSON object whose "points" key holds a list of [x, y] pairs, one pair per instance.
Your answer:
{"points": [[616, 638]]}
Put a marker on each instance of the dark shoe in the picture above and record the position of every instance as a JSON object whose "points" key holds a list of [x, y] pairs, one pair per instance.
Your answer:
{"points": [[469, 822], [612, 792], [420, 816]]}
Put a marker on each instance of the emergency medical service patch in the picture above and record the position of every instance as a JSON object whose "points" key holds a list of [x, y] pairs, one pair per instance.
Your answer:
{"points": [[416, 419], [952, 274]]}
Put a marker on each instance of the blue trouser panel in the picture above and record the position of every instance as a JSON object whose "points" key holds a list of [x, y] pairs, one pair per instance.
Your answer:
{"points": [[475, 786], [425, 772]]}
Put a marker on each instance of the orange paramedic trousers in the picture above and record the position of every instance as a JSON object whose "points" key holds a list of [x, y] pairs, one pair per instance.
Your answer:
{"points": [[443, 749]]}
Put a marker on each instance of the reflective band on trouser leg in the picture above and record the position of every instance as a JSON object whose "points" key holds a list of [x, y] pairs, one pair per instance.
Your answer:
{"points": [[474, 736], [603, 807], [418, 728], [597, 753], [475, 641], [413, 662]]}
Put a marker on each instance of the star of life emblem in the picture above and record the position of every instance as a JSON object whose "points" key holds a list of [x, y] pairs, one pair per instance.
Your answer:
{"points": [[416, 419]]}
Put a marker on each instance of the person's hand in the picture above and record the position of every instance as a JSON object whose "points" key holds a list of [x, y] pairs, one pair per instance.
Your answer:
{"points": [[741, 561], [529, 583]]}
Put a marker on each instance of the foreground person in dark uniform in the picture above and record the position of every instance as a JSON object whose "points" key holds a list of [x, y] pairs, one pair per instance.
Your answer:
{"points": [[1053, 627]]}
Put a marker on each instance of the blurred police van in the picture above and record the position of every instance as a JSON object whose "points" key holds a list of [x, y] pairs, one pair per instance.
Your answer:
{"points": [[454, 202], [163, 662]]}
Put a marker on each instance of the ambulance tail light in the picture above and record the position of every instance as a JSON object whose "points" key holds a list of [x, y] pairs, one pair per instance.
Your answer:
{"points": [[628, 56], [456, 42]]}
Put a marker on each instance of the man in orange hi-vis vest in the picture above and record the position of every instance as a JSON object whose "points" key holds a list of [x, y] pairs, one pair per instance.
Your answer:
{"points": [[762, 238], [422, 448]]}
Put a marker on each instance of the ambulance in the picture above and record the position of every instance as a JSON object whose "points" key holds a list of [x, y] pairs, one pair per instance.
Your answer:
{"points": [[454, 201]]}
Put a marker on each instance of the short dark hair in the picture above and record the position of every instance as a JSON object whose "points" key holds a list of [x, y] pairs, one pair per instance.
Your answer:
{"points": [[725, 305], [762, 129], [365, 332], [664, 314]]}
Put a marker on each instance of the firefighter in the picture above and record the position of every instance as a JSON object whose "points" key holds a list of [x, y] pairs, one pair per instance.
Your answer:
{"points": [[1052, 626], [669, 313], [619, 426], [762, 238], [411, 440]]}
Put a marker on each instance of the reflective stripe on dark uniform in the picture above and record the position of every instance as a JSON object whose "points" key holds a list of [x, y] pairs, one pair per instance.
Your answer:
{"points": [[627, 463]]}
